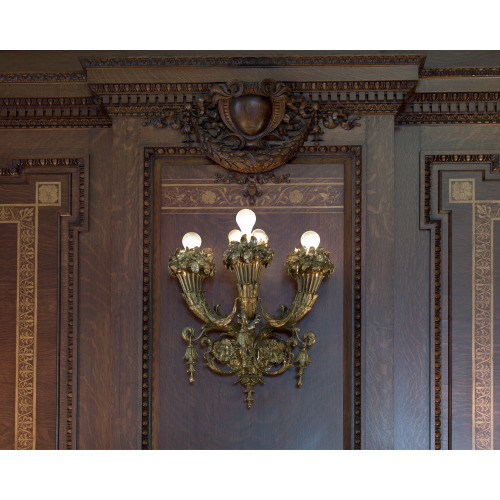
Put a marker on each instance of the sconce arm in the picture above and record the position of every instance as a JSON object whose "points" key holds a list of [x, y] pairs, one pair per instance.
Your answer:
{"points": [[199, 306], [301, 305], [308, 268]]}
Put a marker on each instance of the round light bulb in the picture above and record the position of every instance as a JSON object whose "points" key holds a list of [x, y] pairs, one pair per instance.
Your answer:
{"points": [[310, 239], [246, 219], [260, 236], [191, 240], [235, 235]]}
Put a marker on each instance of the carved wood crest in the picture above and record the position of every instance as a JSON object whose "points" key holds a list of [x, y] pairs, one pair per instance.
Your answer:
{"points": [[252, 127]]}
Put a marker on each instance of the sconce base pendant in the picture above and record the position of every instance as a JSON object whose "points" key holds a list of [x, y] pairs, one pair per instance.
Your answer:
{"points": [[240, 348]]}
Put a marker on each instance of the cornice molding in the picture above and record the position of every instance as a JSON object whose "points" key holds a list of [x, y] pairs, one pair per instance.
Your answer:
{"points": [[451, 108], [48, 112], [258, 61], [42, 77], [458, 72], [321, 86], [138, 99]]}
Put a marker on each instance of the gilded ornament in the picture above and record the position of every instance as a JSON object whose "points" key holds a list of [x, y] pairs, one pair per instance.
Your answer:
{"points": [[241, 348]]}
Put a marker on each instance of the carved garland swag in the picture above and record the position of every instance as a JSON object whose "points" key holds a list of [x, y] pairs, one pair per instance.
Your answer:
{"points": [[252, 127]]}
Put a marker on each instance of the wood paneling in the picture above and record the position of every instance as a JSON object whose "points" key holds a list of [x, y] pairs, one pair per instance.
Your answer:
{"points": [[398, 371], [411, 299], [211, 414], [45, 201], [8, 328], [379, 285], [462, 205]]}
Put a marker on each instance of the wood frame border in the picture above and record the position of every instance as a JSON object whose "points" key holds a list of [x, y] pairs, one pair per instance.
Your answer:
{"points": [[429, 196], [68, 297], [353, 286]]}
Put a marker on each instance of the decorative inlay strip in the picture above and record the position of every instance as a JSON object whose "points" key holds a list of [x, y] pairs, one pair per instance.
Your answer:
{"points": [[26, 218], [436, 257], [485, 213], [80, 224], [177, 197]]}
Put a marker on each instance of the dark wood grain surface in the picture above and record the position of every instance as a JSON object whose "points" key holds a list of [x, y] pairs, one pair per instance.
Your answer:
{"points": [[34, 330], [211, 413], [413, 297], [379, 285], [8, 299], [411, 300]]}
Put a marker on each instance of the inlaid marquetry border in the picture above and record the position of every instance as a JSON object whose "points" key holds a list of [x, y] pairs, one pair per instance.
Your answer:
{"points": [[152, 153], [484, 216], [430, 221], [25, 216], [78, 222]]}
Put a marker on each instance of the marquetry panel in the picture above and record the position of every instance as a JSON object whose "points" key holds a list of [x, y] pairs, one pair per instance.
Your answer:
{"points": [[42, 209], [318, 191], [462, 203]]}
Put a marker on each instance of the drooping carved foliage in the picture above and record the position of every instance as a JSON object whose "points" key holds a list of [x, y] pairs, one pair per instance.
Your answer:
{"points": [[252, 127]]}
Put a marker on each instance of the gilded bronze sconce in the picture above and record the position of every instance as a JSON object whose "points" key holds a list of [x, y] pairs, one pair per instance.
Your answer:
{"points": [[240, 347]]}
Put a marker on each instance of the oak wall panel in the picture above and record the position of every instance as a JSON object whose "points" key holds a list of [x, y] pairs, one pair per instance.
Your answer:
{"points": [[379, 284], [411, 299], [331, 380], [46, 200], [406, 369]]}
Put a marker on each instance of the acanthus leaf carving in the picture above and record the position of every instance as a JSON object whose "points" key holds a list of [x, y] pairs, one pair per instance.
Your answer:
{"points": [[252, 127]]}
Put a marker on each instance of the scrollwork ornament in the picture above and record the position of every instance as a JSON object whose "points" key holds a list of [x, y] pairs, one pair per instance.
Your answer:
{"points": [[241, 348], [252, 127]]}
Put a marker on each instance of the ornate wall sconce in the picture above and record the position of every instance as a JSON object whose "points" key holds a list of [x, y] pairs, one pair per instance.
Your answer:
{"points": [[240, 348]]}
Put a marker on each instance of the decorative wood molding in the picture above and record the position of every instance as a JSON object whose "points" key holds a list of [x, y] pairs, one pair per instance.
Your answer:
{"points": [[450, 108], [42, 77], [144, 99], [25, 216], [77, 224], [458, 72], [252, 127], [340, 60], [356, 387], [432, 223], [66, 112]]}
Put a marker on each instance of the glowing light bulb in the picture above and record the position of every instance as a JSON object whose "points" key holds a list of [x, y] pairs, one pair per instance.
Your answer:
{"points": [[246, 219], [191, 240], [235, 235], [260, 236], [310, 239]]}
